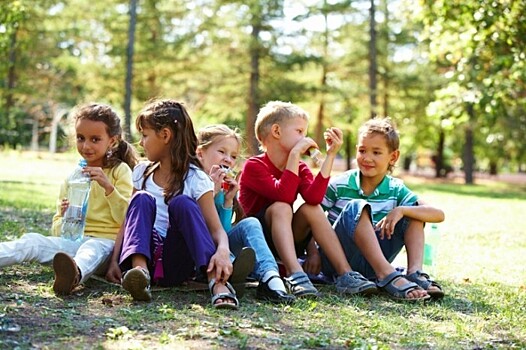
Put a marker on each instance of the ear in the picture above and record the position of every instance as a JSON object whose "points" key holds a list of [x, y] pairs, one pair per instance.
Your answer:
{"points": [[199, 152], [275, 130], [166, 135], [394, 157], [114, 140]]}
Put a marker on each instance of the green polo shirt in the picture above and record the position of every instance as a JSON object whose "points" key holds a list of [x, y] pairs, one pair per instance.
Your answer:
{"points": [[389, 194]]}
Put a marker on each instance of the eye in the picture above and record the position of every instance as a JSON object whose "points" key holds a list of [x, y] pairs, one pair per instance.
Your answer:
{"points": [[234, 157], [221, 151], [80, 138], [95, 139]]}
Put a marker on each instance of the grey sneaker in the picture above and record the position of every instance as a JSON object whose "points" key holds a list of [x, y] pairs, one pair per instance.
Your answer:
{"points": [[300, 285], [137, 282], [354, 283]]}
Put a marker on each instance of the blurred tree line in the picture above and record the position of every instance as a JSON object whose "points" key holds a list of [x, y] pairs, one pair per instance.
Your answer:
{"points": [[451, 74]]}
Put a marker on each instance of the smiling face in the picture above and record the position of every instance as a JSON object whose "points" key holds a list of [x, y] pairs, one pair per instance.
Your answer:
{"points": [[374, 156], [93, 141], [223, 150]]}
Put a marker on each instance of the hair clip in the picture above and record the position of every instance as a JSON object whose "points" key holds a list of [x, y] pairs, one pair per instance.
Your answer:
{"points": [[175, 121]]}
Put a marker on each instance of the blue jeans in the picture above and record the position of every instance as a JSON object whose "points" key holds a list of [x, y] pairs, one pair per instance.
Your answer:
{"points": [[248, 233], [345, 227]]}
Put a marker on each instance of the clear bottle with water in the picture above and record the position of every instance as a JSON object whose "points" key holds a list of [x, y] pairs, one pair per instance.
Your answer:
{"points": [[74, 219], [431, 248]]}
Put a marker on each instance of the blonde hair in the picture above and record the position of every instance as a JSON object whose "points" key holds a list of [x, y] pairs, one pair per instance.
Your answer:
{"points": [[209, 134], [275, 112]]}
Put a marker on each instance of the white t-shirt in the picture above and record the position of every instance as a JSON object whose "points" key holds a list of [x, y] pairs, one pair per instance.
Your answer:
{"points": [[196, 184]]}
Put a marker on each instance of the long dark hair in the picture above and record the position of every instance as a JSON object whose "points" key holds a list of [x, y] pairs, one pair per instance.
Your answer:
{"points": [[159, 114], [122, 151]]}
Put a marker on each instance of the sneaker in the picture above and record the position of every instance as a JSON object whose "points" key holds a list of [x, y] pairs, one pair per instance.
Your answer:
{"points": [[353, 282], [67, 274], [300, 285], [137, 282]]}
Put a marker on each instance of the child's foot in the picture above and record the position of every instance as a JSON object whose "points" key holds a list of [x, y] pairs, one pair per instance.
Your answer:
{"points": [[353, 282], [223, 295], [137, 282], [300, 285], [423, 280], [265, 292], [67, 275], [399, 288]]}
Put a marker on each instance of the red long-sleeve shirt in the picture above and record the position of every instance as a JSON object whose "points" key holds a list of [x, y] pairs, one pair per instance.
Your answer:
{"points": [[262, 184]]}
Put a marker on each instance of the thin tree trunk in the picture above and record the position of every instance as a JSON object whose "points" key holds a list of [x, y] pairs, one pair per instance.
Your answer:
{"points": [[253, 97], [129, 69], [439, 159], [11, 75], [318, 133], [469, 158], [373, 66]]}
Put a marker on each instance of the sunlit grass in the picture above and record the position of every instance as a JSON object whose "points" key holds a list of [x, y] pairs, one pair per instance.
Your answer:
{"points": [[481, 261]]}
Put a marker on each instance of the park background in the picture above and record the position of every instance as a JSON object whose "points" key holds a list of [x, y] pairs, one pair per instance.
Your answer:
{"points": [[451, 75]]}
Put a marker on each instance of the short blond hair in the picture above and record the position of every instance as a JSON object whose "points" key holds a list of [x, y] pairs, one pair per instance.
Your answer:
{"points": [[275, 112]]}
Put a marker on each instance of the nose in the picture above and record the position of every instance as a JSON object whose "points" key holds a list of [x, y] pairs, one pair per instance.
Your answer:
{"points": [[229, 160]]}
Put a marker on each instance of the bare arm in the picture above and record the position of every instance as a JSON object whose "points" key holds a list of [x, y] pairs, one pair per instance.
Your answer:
{"points": [[220, 261]]}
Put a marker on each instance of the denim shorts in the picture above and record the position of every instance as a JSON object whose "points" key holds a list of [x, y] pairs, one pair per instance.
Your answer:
{"points": [[345, 226]]}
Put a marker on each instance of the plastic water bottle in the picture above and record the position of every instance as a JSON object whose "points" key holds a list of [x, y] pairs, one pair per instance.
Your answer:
{"points": [[431, 248], [74, 219]]}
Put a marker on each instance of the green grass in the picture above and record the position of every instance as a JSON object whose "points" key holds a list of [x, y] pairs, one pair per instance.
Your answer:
{"points": [[481, 263]]}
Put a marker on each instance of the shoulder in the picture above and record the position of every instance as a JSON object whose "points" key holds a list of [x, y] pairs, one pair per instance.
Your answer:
{"points": [[344, 177], [138, 171], [394, 182], [197, 173]]}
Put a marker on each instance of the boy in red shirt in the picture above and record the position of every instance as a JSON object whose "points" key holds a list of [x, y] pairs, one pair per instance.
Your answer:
{"points": [[269, 185]]}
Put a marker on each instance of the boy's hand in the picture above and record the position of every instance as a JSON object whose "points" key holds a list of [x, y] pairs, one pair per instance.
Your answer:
{"points": [[303, 145], [334, 140], [388, 223]]}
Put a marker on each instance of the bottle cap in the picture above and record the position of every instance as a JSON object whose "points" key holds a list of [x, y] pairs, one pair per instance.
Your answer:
{"points": [[83, 163]]}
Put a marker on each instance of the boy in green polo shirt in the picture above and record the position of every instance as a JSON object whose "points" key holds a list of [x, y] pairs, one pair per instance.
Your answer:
{"points": [[369, 201]]}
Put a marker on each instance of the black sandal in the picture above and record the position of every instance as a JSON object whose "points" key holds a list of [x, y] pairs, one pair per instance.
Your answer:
{"points": [[399, 293], [425, 283]]}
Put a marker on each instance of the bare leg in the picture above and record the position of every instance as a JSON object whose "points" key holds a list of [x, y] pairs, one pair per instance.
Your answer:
{"points": [[279, 218], [365, 239], [312, 216], [414, 245]]}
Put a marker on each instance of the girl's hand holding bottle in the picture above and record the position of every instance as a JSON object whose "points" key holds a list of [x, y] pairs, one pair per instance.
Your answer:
{"points": [[98, 175]]}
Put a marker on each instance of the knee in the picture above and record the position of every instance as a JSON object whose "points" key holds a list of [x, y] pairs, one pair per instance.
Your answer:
{"points": [[143, 198], [182, 202], [280, 209], [252, 224]]}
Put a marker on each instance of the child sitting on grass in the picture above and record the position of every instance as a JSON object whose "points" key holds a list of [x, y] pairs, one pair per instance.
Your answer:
{"points": [[368, 202], [271, 182]]}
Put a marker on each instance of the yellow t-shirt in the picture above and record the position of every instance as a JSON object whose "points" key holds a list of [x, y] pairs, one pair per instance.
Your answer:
{"points": [[105, 214]]}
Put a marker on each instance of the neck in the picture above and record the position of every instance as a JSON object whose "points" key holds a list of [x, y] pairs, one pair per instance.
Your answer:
{"points": [[278, 158]]}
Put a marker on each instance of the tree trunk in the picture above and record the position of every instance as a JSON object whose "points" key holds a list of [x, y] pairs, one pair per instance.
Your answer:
{"points": [[439, 157], [469, 159], [253, 97], [318, 133], [11, 76], [373, 66], [129, 69]]}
